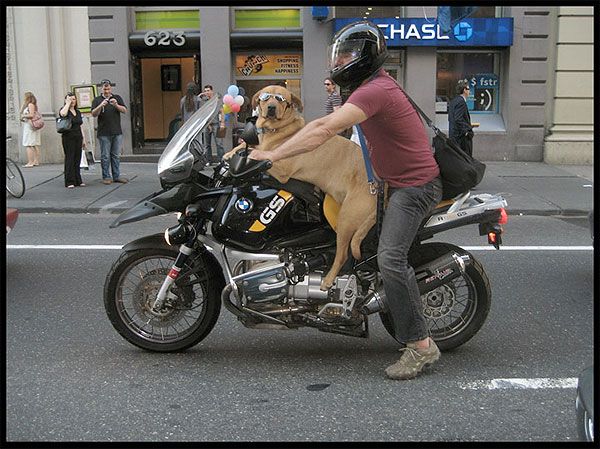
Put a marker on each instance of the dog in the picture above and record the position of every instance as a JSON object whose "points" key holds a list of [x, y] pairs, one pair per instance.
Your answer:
{"points": [[336, 167]]}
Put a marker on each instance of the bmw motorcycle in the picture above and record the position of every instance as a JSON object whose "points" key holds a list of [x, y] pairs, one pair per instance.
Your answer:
{"points": [[261, 249]]}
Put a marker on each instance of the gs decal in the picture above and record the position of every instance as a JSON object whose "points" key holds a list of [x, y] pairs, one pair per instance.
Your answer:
{"points": [[270, 212]]}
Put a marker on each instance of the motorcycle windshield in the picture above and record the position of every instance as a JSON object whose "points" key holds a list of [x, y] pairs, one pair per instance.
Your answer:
{"points": [[176, 161]]}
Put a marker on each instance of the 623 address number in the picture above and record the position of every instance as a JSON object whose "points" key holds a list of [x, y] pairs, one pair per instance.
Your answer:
{"points": [[152, 38]]}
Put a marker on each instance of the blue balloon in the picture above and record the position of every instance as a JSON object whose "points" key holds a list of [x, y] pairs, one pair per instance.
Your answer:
{"points": [[233, 90]]}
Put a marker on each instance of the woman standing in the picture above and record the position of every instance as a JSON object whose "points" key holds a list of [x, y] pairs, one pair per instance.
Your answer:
{"points": [[32, 138], [190, 103], [72, 140]]}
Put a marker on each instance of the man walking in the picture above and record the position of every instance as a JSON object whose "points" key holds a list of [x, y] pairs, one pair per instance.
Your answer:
{"points": [[459, 120], [108, 107], [218, 121]]}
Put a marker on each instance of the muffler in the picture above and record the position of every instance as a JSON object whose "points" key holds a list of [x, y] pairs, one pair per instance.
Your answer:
{"points": [[429, 277]]}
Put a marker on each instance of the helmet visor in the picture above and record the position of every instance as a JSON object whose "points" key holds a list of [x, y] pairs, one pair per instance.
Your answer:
{"points": [[342, 53]]}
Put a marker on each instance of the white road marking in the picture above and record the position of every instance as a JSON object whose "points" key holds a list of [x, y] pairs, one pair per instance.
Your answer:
{"points": [[467, 248], [79, 247], [516, 383]]}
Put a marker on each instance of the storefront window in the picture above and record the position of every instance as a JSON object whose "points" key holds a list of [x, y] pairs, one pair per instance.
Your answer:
{"points": [[367, 12], [153, 20], [481, 69], [260, 18]]}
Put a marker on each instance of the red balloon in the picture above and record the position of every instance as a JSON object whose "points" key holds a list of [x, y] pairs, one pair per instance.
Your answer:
{"points": [[235, 107]]}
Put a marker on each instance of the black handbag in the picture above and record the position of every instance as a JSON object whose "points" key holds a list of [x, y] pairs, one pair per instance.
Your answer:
{"points": [[63, 124], [459, 171]]}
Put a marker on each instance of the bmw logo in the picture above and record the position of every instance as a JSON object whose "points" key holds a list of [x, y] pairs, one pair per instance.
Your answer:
{"points": [[463, 31], [243, 205]]}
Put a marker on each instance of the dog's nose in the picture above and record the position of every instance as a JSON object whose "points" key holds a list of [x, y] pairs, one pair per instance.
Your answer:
{"points": [[271, 110]]}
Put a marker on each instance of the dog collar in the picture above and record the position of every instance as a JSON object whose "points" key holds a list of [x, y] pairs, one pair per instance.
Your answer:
{"points": [[266, 130]]}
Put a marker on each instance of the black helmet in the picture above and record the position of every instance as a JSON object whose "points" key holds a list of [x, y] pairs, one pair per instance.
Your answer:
{"points": [[358, 50]]}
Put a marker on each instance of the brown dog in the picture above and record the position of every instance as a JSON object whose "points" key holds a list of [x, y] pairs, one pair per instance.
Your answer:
{"points": [[336, 167]]}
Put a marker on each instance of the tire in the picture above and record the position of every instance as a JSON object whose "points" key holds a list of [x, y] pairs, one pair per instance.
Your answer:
{"points": [[15, 183], [131, 287], [472, 313]]}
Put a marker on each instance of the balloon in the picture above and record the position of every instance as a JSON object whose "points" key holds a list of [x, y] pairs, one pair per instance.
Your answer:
{"points": [[235, 107], [228, 99], [227, 108], [233, 90], [239, 100], [241, 92]]}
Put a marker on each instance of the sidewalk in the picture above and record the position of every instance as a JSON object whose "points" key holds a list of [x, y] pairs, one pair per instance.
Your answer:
{"points": [[530, 188]]}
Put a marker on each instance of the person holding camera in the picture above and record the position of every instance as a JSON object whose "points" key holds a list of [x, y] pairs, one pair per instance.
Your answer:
{"points": [[459, 121], [108, 107], [72, 141]]}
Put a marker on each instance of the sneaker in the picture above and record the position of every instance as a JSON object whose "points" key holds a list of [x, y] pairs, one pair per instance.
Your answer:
{"points": [[122, 180], [413, 361], [107, 181]]}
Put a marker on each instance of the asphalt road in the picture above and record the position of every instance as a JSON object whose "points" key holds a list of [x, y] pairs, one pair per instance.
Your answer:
{"points": [[71, 377]]}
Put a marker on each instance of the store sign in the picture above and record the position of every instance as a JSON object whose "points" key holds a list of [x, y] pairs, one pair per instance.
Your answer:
{"points": [[480, 32], [268, 65], [484, 91]]}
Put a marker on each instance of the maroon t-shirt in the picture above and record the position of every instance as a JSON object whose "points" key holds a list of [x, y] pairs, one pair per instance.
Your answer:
{"points": [[398, 143]]}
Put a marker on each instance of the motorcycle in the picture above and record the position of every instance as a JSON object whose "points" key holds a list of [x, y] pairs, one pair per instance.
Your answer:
{"points": [[261, 249]]}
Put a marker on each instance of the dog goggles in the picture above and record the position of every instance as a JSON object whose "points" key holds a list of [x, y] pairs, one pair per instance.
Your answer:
{"points": [[265, 96]]}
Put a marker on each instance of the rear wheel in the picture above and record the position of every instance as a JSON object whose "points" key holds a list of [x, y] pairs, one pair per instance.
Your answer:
{"points": [[190, 310], [456, 310]]}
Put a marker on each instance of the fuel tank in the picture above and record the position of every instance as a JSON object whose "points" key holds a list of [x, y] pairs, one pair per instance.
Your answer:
{"points": [[271, 215]]}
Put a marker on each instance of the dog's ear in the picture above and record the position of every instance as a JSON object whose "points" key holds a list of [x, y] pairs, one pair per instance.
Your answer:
{"points": [[255, 99], [297, 102]]}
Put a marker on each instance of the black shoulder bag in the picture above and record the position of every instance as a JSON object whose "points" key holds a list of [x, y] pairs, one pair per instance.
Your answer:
{"points": [[459, 171]]}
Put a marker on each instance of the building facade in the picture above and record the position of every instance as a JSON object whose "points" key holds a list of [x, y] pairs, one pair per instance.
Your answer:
{"points": [[530, 68]]}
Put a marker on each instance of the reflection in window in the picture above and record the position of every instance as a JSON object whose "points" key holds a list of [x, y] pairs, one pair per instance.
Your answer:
{"points": [[481, 69], [368, 12]]}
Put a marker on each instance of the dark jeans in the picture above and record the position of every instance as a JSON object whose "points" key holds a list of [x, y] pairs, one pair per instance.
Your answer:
{"points": [[209, 136], [406, 209], [72, 149]]}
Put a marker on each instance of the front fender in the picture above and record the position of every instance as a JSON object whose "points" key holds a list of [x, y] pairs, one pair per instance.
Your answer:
{"points": [[148, 242]]}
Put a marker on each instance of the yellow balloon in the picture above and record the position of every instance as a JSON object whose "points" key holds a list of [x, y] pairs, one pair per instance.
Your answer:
{"points": [[226, 108]]}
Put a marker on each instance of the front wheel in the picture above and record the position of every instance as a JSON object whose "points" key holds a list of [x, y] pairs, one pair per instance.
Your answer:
{"points": [[456, 310], [15, 183], [190, 310]]}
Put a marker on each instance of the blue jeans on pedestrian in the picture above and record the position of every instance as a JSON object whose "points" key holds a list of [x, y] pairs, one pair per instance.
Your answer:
{"points": [[407, 207], [208, 138], [110, 147]]}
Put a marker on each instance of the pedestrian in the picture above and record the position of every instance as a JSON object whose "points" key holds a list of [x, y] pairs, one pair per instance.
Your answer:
{"points": [[217, 122], [108, 107], [459, 121], [189, 103], [401, 156], [73, 141], [32, 138], [334, 100]]}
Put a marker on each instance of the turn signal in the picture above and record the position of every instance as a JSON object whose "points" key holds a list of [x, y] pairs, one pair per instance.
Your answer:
{"points": [[503, 217]]}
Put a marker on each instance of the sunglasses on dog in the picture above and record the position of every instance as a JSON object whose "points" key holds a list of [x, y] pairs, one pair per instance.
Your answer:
{"points": [[265, 96]]}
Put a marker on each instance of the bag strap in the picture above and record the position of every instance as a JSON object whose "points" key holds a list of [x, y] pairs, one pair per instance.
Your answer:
{"points": [[373, 184]]}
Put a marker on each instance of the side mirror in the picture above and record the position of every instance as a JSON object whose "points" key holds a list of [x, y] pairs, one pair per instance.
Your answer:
{"points": [[250, 134]]}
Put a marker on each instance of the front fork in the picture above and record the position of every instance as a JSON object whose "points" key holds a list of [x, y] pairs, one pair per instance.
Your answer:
{"points": [[182, 257]]}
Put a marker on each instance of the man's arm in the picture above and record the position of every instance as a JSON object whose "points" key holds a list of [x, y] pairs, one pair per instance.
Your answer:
{"points": [[460, 118], [315, 133]]}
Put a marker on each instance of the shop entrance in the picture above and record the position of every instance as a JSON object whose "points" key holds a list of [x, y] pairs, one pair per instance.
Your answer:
{"points": [[159, 85]]}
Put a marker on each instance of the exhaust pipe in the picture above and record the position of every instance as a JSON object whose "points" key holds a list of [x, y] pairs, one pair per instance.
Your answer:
{"points": [[429, 277]]}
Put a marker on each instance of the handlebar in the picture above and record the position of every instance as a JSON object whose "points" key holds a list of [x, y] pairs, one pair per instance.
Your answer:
{"points": [[241, 166]]}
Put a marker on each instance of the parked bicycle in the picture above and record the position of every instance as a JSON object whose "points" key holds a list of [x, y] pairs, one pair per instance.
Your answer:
{"points": [[15, 182]]}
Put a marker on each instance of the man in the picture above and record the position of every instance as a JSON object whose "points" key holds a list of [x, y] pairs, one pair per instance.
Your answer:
{"points": [[459, 120], [401, 155], [108, 107], [334, 100], [217, 122]]}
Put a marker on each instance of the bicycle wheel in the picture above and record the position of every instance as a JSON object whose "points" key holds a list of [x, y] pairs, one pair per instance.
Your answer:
{"points": [[15, 183]]}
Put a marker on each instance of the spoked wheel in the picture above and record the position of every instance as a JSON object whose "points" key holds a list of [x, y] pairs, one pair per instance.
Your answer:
{"points": [[454, 311], [188, 314], [15, 182]]}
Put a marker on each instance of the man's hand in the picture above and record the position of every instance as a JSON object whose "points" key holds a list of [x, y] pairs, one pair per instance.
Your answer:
{"points": [[113, 101]]}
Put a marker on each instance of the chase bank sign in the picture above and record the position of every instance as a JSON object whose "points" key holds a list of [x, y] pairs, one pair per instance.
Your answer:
{"points": [[480, 32]]}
